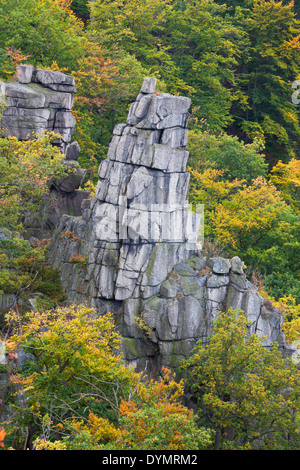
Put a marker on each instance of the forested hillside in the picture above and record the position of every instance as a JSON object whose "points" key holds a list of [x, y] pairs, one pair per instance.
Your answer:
{"points": [[239, 62]]}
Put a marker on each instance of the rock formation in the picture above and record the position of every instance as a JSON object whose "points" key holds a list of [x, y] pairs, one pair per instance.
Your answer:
{"points": [[41, 101], [133, 251], [140, 223]]}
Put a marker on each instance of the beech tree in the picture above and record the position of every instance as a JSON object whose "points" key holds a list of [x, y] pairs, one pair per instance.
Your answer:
{"points": [[152, 418], [26, 167], [73, 366], [268, 66], [228, 154], [45, 30], [246, 392]]}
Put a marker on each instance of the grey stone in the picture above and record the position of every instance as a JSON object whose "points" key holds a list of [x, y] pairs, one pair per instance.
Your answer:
{"points": [[33, 95], [73, 180], [159, 111], [219, 265], [106, 222], [236, 265], [169, 288], [50, 77], [64, 119], [239, 281], [118, 129], [176, 137], [142, 153], [24, 73], [142, 106], [163, 223], [72, 151], [190, 267], [149, 85], [24, 123], [139, 261], [24, 96], [61, 87], [169, 159], [216, 281], [55, 99], [140, 185], [34, 108]]}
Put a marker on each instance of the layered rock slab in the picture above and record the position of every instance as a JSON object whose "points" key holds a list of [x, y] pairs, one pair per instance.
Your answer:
{"points": [[40, 100]]}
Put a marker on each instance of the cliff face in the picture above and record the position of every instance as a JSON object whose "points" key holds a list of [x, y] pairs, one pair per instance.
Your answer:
{"points": [[134, 250]]}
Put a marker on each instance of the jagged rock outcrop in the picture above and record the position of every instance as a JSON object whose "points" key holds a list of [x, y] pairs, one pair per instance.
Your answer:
{"points": [[41, 101], [140, 218], [133, 251]]}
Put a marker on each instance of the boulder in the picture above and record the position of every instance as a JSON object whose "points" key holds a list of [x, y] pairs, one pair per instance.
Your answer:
{"points": [[24, 73]]}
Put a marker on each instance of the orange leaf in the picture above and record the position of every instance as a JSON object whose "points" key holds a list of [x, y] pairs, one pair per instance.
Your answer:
{"points": [[2, 436]]}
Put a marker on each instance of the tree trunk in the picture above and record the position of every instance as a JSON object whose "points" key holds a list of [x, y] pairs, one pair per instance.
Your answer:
{"points": [[218, 439]]}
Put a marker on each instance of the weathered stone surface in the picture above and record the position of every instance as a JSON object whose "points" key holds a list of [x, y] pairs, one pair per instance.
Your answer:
{"points": [[176, 137], [41, 100], [24, 123], [72, 151], [73, 180], [159, 111], [149, 85], [215, 281], [236, 265], [24, 96], [140, 185], [50, 77], [219, 265], [24, 73]]}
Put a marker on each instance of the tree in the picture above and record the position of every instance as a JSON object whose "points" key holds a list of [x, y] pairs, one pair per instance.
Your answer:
{"points": [[137, 28], [73, 365], [248, 217], [26, 168], [45, 30], [81, 9], [205, 45], [179, 43], [268, 66], [257, 224], [228, 154], [291, 312], [246, 392], [286, 178], [156, 419], [152, 418]]}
